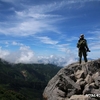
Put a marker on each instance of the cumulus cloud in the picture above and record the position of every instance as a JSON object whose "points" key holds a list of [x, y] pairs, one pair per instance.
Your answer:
{"points": [[23, 55], [57, 60], [3, 53], [26, 55]]}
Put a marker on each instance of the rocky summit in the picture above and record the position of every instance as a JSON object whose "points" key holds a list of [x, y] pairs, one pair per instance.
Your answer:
{"points": [[75, 82]]}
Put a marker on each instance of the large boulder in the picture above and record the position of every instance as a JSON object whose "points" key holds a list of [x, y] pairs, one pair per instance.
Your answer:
{"points": [[79, 74], [97, 74], [80, 97], [74, 79], [81, 82], [89, 79]]}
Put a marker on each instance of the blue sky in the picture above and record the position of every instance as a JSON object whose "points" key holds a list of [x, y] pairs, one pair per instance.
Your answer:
{"points": [[34, 31]]}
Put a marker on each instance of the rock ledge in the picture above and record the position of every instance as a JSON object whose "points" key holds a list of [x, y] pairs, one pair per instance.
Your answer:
{"points": [[75, 82]]}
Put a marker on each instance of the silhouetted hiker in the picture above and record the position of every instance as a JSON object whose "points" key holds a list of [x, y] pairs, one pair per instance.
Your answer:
{"points": [[82, 48]]}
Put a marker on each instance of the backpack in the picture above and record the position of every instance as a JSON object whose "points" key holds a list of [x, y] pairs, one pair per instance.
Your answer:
{"points": [[82, 43]]}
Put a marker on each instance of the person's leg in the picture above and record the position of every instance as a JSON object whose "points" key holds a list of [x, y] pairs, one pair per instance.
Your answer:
{"points": [[85, 56], [85, 59], [80, 56], [80, 59]]}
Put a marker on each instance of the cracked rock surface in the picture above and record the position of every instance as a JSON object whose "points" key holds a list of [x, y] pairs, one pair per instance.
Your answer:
{"points": [[75, 82]]}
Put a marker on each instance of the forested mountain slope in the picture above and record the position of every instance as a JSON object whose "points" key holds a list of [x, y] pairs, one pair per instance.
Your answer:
{"points": [[24, 81]]}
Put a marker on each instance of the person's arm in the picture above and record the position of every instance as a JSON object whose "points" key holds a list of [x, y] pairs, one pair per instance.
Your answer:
{"points": [[87, 46], [78, 44]]}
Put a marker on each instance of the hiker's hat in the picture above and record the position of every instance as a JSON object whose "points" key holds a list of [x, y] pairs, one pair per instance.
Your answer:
{"points": [[82, 35]]}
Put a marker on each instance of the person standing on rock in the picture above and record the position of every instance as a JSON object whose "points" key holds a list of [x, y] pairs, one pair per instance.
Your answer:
{"points": [[82, 48]]}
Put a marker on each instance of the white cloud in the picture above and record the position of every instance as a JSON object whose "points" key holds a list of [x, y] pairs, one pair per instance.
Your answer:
{"points": [[38, 19], [8, 0], [47, 40], [23, 55], [26, 55], [31, 20], [7, 44], [63, 47], [12, 1], [3, 53], [57, 60], [94, 54], [34, 19], [72, 39], [94, 40], [55, 44], [95, 32], [95, 45], [16, 43]]}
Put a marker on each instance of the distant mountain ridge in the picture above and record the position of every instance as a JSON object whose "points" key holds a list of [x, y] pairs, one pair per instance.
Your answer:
{"points": [[26, 80]]}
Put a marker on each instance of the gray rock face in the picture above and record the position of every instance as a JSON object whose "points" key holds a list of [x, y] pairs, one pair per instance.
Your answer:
{"points": [[75, 79], [79, 97]]}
